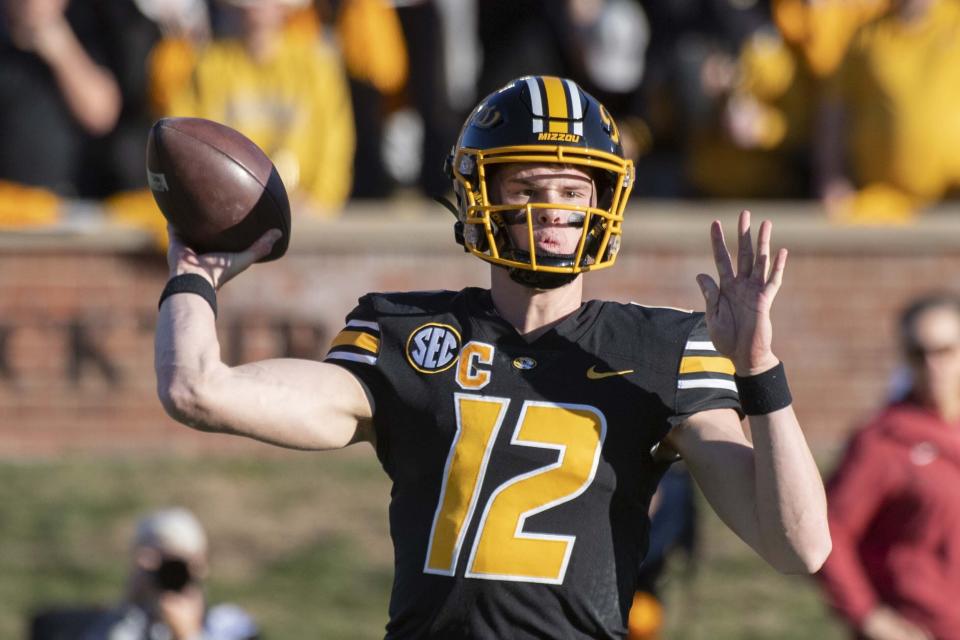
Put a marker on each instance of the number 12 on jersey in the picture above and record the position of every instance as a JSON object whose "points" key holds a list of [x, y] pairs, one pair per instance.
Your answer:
{"points": [[501, 549]]}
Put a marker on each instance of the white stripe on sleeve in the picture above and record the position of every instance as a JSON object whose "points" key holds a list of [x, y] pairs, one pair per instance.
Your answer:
{"points": [[366, 324], [352, 357], [707, 383]]}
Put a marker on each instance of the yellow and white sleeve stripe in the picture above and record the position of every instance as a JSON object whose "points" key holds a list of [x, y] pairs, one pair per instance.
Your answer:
{"points": [[359, 341], [702, 367]]}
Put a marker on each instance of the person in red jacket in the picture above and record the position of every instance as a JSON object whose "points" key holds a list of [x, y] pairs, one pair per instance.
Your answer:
{"points": [[894, 501]]}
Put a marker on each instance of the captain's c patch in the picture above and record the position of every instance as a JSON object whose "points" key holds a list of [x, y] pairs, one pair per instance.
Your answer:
{"points": [[433, 347]]}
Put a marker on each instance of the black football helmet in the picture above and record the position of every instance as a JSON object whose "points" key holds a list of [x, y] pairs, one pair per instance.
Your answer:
{"points": [[540, 120]]}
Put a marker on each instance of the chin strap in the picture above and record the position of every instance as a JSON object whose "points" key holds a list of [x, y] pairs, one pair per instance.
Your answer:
{"points": [[540, 279]]}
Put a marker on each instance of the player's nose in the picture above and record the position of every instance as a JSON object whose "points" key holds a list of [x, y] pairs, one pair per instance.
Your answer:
{"points": [[547, 216]]}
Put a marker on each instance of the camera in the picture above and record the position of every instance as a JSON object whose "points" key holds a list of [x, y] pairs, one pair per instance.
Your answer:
{"points": [[173, 574]]}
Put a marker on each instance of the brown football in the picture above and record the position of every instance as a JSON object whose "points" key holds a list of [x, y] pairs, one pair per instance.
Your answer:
{"points": [[217, 189]]}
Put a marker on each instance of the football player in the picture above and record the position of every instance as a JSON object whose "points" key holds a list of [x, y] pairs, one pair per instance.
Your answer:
{"points": [[524, 429]]}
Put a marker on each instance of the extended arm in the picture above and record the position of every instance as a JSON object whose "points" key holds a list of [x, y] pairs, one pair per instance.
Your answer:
{"points": [[291, 403], [770, 493]]}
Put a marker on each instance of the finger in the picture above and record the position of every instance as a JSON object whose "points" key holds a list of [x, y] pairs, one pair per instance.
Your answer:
{"points": [[761, 266], [721, 257], [776, 275], [710, 291], [264, 243], [241, 261], [744, 246]]}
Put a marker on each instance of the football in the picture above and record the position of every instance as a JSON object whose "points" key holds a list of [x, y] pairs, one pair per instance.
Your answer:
{"points": [[218, 189]]}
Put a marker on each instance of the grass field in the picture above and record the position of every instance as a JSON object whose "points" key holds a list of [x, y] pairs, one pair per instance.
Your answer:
{"points": [[300, 540]]}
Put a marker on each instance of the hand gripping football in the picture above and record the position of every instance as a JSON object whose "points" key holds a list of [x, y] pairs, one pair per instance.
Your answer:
{"points": [[217, 189]]}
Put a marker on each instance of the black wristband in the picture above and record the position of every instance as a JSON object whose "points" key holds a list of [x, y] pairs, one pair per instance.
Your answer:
{"points": [[765, 392], [191, 283]]}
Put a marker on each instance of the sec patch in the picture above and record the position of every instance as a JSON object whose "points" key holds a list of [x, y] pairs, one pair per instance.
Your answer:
{"points": [[433, 347]]}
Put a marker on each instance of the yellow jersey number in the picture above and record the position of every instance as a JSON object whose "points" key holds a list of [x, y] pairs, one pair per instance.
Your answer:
{"points": [[501, 549]]}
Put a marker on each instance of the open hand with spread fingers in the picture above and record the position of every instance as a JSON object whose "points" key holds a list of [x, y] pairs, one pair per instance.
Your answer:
{"points": [[738, 308]]}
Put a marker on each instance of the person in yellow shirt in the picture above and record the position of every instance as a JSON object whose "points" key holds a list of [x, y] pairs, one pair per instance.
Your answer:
{"points": [[757, 145], [888, 139], [287, 94], [761, 142], [819, 31]]}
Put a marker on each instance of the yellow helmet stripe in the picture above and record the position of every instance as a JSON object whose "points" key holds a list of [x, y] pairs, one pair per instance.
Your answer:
{"points": [[556, 104]]}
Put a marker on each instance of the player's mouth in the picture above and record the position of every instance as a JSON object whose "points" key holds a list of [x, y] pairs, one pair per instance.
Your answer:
{"points": [[555, 240]]}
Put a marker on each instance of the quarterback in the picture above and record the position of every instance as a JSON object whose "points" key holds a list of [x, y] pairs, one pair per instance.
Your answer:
{"points": [[525, 429]]}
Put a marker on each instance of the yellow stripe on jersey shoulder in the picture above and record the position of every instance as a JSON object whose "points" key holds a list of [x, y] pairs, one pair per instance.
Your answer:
{"points": [[357, 339], [707, 364]]}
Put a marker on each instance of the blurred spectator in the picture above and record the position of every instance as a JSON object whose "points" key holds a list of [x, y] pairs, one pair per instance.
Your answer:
{"points": [[158, 49], [57, 94], [758, 145], [608, 41], [601, 43], [889, 132], [673, 528], [819, 31], [185, 29], [428, 36], [152, 52], [894, 507], [164, 598], [762, 144], [690, 68], [115, 163], [288, 94], [375, 55]]}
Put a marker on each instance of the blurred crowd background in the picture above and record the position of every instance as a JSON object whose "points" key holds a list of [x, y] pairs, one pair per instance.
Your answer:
{"points": [[847, 102]]}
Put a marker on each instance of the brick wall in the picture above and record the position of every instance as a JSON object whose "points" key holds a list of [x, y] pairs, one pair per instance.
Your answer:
{"points": [[77, 311]]}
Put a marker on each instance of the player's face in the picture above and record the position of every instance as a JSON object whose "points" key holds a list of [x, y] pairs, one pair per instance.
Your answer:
{"points": [[555, 231], [933, 351]]}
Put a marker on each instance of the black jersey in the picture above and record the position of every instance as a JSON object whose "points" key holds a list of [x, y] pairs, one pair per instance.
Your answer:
{"points": [[522, 470]]}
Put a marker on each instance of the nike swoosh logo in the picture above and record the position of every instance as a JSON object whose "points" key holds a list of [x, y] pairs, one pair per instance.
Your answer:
{"points": [[593, 374]]}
